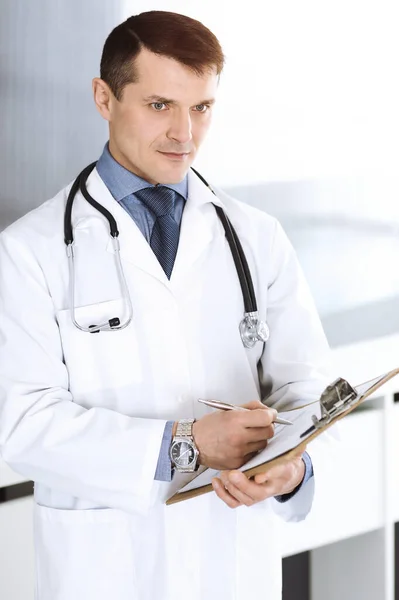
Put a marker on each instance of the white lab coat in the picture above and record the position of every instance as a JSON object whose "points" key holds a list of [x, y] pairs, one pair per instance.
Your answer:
{"points": [[83, 414]]}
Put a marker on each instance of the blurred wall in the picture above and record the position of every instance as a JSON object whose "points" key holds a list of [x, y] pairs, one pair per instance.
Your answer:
{"points": [[49, 128]]}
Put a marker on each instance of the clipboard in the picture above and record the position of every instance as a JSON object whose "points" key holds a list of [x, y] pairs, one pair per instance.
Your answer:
{"points": [[337, 400]]}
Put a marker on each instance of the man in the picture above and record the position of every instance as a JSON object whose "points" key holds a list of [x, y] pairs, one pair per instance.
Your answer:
{"points": [[91, 417]]}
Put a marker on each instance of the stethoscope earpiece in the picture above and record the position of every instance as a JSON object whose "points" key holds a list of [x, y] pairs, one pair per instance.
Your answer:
{"points": [[112, 323]]}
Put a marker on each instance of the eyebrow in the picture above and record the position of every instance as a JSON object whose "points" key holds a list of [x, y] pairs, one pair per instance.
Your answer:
{"points": [[155, 98]]}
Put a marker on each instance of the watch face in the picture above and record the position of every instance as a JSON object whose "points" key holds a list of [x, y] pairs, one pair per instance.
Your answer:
{"points": [[183, 454]]}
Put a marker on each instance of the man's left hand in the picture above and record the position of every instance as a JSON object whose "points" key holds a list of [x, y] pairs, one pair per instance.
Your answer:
{"points": [[235, 489]]}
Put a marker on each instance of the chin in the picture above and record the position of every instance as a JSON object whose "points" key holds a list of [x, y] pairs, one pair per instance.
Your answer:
{"points": [[169, 171], [172, 175]]}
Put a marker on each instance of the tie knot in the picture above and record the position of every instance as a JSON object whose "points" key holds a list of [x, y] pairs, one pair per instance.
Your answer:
{"points": [[159, 199]]}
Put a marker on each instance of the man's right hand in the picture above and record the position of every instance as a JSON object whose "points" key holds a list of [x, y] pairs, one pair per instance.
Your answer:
{"points": [[228, 439]]}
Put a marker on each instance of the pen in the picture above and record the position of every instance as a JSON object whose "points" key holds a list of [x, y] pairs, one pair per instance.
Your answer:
{"points": [[226, 406]]}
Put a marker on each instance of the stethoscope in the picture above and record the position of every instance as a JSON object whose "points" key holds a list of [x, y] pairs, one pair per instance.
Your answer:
{"points": [[252, 329]]}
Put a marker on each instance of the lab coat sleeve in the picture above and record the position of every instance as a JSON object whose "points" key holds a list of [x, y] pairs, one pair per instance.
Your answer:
{"points": [[95, 454], [295, 366]]}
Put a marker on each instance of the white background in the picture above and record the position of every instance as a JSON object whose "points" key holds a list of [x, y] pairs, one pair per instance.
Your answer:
{"points": [[310, 88]]}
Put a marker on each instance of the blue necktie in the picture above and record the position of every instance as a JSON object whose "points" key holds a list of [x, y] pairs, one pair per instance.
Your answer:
{"points": [[165, 234]]}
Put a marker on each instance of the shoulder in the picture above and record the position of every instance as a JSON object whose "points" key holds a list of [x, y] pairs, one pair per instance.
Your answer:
{"points": [[256, 226], [237, 208], [42, 224], [36, 240]]}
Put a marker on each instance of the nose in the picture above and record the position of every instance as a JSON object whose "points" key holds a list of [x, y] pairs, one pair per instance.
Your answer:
{"points": [[180, 127]]}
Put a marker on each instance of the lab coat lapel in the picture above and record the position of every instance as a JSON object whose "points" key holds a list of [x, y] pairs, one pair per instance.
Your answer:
{"points": [[199, 224], [198, 227], [134, 248]]}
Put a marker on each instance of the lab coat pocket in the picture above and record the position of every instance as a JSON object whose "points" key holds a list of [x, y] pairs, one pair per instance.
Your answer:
{"points": [[103, 360], [84, 554]]}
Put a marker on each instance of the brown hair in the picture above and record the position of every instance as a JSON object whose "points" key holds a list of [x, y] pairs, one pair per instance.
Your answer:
{"points": [[165, 33]]}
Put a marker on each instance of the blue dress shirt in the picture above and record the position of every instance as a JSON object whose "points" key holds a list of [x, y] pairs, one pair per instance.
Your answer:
{"points": [[123, 184]]}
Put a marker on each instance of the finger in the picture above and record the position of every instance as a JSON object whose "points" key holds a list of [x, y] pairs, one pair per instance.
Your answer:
{"points": [[299, 453], [271, 488], [254, 447], [238, 495], [255, 404], [235, 490], [257, 434], [223, 493], [261, 478], [247, 457], [267, 482], [285, 472], [271, 474], [259, 417], [246, 491]]}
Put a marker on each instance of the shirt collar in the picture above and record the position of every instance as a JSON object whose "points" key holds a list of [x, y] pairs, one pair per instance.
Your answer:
{"points": [[122, 183]]}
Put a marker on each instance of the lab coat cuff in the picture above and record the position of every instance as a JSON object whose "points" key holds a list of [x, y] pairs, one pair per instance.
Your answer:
{"points": [[164, 470]]}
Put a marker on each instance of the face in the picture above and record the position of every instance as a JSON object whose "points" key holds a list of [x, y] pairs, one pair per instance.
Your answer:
{"points": [[159, 124]]}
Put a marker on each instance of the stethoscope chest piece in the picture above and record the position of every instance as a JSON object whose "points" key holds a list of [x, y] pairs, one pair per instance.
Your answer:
{"points": [[253, 330]]}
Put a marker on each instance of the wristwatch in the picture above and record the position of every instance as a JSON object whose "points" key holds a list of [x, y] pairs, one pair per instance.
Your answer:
{"points": [[183, 451]]}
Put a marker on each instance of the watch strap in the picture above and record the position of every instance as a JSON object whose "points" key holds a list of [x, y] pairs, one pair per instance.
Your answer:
{"points": [[185, 428]]}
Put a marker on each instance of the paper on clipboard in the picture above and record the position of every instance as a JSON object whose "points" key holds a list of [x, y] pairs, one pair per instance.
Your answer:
{"points": [[286, 438]]}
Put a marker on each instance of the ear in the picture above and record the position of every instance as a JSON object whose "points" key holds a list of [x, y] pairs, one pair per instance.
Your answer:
{"points": [[103, 98]]}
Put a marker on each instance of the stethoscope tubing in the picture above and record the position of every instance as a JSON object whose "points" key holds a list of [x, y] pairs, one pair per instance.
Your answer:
{"points": [[240, 261]]}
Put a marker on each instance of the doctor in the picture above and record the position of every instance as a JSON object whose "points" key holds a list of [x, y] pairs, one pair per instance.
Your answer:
{"points": [[91, 417]]}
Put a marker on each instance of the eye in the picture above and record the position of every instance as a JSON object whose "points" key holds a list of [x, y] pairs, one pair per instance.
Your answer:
{"points": [[202, 107], [158, 106]]}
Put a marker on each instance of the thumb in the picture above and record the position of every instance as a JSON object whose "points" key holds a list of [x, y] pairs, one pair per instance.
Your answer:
{"points": [[261, 477], [298, 453]]}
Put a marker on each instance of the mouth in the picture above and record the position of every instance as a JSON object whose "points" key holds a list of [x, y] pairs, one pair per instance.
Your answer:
{"points": [[178, 156]]}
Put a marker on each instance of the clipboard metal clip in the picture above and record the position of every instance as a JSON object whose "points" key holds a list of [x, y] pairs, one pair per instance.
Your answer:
{"points": [[336, 398]]}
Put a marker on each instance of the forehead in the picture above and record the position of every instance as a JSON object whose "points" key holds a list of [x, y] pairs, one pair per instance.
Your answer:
{"points": [[166, 77]]}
